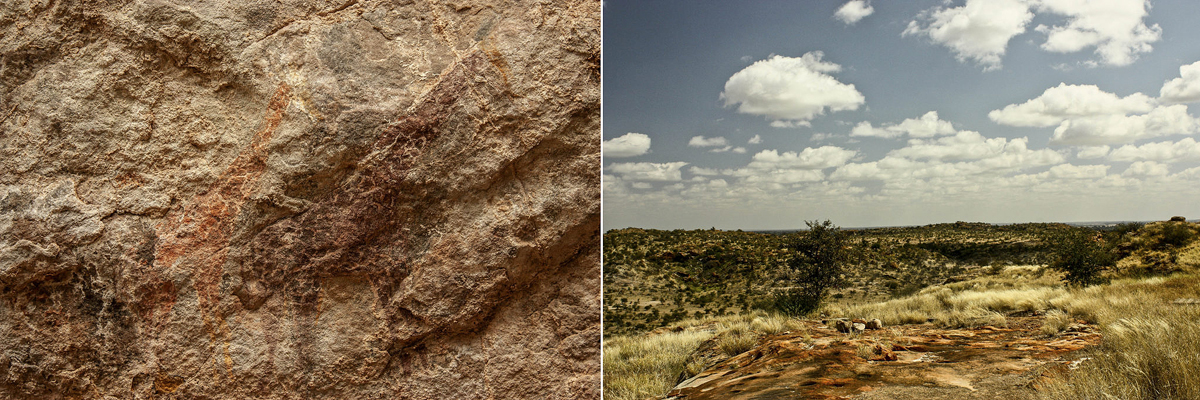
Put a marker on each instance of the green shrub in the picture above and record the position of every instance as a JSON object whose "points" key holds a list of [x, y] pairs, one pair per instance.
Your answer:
{"points": [[1127, 227], [817, 265], [1082, 254], [795, 302], [1176, 235]]}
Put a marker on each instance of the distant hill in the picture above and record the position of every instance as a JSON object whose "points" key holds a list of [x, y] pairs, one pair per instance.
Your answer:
{"points": [[655, 277]]}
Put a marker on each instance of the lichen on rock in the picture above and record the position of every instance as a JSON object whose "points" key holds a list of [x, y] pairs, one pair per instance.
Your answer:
{"points": [[315, 199]]}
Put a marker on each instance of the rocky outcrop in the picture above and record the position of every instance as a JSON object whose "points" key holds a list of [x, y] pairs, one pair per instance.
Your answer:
{"points": [[313, 199], [903, 362]]}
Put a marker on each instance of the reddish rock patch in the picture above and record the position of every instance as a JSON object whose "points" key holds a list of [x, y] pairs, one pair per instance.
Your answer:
{"points": [[900, 362]]}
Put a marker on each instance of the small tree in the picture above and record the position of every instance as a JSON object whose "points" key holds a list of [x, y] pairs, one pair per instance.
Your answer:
{"points": [[1082, 254], [815, 268]]}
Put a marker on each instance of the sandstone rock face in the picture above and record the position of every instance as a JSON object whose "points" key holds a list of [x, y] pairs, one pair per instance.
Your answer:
{"points": [[303, 199]]}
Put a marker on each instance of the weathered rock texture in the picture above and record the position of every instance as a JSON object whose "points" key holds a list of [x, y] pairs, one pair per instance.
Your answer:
{"points": [[218, 199], [904, 362]]}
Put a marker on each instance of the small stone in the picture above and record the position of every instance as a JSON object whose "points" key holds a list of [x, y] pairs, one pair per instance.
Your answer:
{"points": [[875, 324], [859, 327], [842, 325], [883, 353]]}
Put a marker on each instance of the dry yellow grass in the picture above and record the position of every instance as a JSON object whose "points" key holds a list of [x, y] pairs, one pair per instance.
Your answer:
{"points": [[1189, 257], [976, 302], [636, 368], [1056, 321], [647, 366], [1151, 347], [734, 344], [946, 308]]}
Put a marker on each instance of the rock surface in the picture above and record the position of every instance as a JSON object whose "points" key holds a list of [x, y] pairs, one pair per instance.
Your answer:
{"points": [[303, 199], [902, 362]]}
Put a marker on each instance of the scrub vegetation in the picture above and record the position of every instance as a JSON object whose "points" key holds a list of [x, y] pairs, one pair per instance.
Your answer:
{"points": [[678, 300]]}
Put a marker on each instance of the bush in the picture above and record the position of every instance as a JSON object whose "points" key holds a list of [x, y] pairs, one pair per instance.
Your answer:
{"points": [[1176, 235], [1127, 227], [795, 302], [1082, 254], [816, 267]]}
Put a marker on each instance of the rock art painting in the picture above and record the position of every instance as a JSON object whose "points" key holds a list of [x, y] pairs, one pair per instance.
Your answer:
{"points": [[307, 199]]}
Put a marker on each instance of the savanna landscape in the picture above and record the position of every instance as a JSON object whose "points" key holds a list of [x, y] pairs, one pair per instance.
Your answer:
{"points": [[956, 310], [927, 199]]}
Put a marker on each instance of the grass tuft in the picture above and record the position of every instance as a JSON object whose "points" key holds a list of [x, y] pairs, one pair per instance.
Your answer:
{"points": [[1056, 321], [647, 366], [639, 367], [1151, 347], [1152, 354], [734, 344]]}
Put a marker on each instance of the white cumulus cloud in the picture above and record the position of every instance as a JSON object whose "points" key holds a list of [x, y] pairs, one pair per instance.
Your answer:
{"points": [[701, 141], [755, 140], [1187, 149], [630, 145], [784, 176], [790, 90], [978, 31], [809, 158], [644, 171], [1116, 28], [1116, 128], [1185, 88], [927, 125], [1092, 152], [964, 154], [966, 145], [1069, 171], [738, 150], [1088, 116], [854, 11], [1146, 169], [1063, 102], [775, 169]]}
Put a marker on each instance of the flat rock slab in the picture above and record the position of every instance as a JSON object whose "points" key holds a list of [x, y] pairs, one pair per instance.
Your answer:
{"points": [[929, 363]]}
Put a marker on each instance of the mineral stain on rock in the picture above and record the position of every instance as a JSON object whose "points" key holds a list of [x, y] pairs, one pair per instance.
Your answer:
{"points": [[317, 199]]}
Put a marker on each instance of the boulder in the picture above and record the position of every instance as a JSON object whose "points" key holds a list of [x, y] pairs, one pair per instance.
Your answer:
{"points": [[841, 325], [318, 199], [875, 324]]}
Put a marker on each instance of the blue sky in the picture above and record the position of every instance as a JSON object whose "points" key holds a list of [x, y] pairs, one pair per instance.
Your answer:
{"points": [[760, 115]]}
